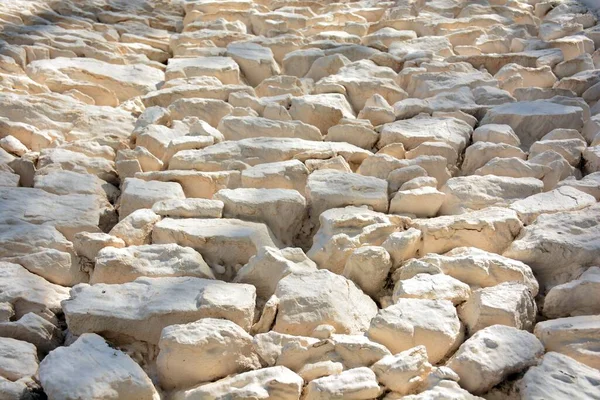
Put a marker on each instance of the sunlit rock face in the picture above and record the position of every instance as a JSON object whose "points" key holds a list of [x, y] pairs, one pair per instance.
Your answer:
{"points": [[283, 199]]}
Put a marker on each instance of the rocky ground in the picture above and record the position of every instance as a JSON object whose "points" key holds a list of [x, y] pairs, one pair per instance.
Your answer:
{"points": [[299, 199]]}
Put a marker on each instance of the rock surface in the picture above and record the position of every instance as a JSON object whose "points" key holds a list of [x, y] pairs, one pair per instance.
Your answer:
{"points": [[299, 199]]}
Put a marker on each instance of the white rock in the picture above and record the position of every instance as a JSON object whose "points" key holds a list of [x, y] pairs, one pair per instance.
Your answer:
{"points": [[531, 120], [468, 193], [557, 200], [278, 383], [413, 322], [577, 297], [18, 359], [478, 154], [321, 110], [189, 208], [270, 265], [492, 354], [88, 244], [224, 69], [496, 133], [138, 194], [225, 244], [28, 292], [412, 132], [322, 297], [402, 245], [136, 228], [13, 145], [556, 247], [368, 267], [405, 372], [491, 229], [109, 373], [266, 206], [237, 128], [510, 304], [203, 351], [290, 174], [422, 202], [355, 384], [328, 189], [142, 308], [114, 265], [255, 61], [434, 287], [559, 377]]}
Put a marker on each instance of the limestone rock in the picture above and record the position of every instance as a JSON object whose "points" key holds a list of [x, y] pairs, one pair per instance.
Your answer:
{"points": [[268, 383], [114, 265], [327, 298], [434, 287], [413, 322], [203, 351], [270, 265], [18, 359], [357, 383], [577, 297], [404, 372], [142, 308], [531, 120], [266, 206], [510, 304], [493, 353], [368, 268], [559, 376], [138, 194], [136, 228], [331, 189], [189, 208], [110, 373], [556, 247]]}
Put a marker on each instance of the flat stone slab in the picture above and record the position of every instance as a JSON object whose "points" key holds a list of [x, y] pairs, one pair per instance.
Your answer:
{"points": [[142, 308]]}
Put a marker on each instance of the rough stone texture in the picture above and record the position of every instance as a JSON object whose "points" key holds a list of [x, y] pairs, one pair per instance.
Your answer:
{"points": [[413, 322], [142, 308], [492, 354], [90, 368]]}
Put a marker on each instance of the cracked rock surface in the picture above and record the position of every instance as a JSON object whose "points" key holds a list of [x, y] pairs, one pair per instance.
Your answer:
{"points": [[299, 200]]}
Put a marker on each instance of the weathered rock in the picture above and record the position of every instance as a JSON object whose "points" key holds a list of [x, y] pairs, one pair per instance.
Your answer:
{"points": [[368, 267], [558, 247], [268, 383], [115, 265], [577, 297], [559, 376], [18, 359], [491, 229], [189, 208], [267, 206], [331, 189], [110, 373], [492, 354], [270, 265], [405, 372], [238, 128], [510, 304], [413, 322], [434, 287], [357, 383], [225, 244], [531, 120], [138, 194], [142, 308], [186, 350], [327, 298]]}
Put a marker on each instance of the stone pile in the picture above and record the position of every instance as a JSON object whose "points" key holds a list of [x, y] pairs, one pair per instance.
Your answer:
{"points": [[289, 199]]}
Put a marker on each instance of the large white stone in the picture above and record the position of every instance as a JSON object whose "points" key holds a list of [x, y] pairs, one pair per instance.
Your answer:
{"points": [[142, 308], [114, 265], [225, 244], [139, 194], [559, 377], [277, 383], [558, 247], [18, 359], [577, 297], [354, 384], [237, 128], [109, 373], [531, 120], [328, 189], [405, 372], [491, 229], [492, 354], [434, 287], [322, 297], [203, 351], [413, 322]]}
